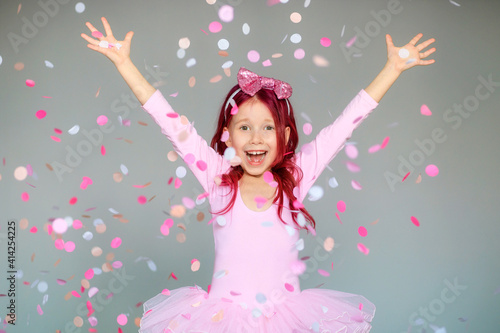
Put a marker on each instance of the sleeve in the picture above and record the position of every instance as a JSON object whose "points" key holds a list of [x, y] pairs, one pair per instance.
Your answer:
{"points": [[207, 163], [316, 155]]}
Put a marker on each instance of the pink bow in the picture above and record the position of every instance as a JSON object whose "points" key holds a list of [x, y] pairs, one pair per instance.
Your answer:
{"points": [[250, 83]]}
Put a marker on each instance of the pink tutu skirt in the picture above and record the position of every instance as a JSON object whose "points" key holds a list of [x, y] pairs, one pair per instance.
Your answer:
{"points": [[191, 310]]}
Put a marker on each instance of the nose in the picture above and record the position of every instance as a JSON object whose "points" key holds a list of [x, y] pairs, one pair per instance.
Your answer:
{"points": [[256, 137]]}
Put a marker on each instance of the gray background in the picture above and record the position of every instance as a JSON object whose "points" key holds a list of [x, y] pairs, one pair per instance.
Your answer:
{"points": [[408, 270]]}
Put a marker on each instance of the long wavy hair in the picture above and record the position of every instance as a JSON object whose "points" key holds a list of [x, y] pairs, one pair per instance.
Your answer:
{"points": [[285, 172]]}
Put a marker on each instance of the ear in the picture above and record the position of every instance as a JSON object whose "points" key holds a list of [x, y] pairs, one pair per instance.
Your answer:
{"points": [[287, 134], [228, 142]]}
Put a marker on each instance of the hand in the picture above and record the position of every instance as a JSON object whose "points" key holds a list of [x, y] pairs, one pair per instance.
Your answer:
{"points": [[413, 56], [117, 55]]}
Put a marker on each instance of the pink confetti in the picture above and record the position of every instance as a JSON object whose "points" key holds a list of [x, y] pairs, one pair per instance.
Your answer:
{"points": [[165, 292], [59, 244], [260, 201], [55, 138], [363, 249], [77, 224], [226, 13], [424, 110], [289, 287], [406, 176], [215, 27], [39, 310], [40, 114], [431, 170], [89, 308], [360, 306], [85, 182], [96, 34], [30, 83], [57, 130], [351, 41], [268, 177], [202, 165], [266, 63], [338, 217], [362, 231], [225, 136], [307, 128], [374, 149], [253, 56], [142, 199], [122, 319], [326, 42], [75, 293], [341, 206], [103, 150], [172, 115], [102, 120], [169, 222], [297, 204], [25, 196], [59, 226], [189, 159], [299, 54], [89, 274], [116, 242], [415, 221], [177, 183], [355, 185], [352, 167], [165, 230], [323, 272], [351, 151], [384, 143], [69, 246], [73, 200]]}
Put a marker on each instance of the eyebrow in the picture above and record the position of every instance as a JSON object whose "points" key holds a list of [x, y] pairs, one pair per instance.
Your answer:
{"points": [[246, 119]]}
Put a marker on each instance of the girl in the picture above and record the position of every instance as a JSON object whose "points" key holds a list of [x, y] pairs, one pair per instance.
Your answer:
{"points": [[255, 183]]}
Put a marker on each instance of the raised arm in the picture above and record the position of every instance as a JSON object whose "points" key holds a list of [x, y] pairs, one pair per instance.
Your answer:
{"points": [[119, 54], [399, 59]]}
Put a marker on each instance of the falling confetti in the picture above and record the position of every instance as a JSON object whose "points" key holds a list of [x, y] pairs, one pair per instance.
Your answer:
{"points": [[424, 110], [431, 170], [415, 221], [30, 83]]}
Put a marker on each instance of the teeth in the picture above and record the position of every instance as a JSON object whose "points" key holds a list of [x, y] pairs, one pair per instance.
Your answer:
{"points": [[254, 153]]}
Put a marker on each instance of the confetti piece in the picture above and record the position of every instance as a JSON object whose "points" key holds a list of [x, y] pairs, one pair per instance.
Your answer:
{"points": [[363, 249], [102, 120], [406, 176], [59, 244], [142, 199], [80, 7], [216, 79], [69, 246], [356, 185], [55, 138], [415, 221], [73, 200], [424, 110], [253, 56], [89, 274], [20, 173], [25, 196], [295, 17], [225, 136], [326, 42], [384, 143], [215, 27], [431, 170], [39, 310], [419, 179], [362, 231], [454, 3], [351, 41], [373, 149], [40, 114], [338, 217], [299, 54], [59, 226], [245, 28], [104, 44], [352, 167], [184, 43], [122, 319], [18, 66], [223, 44], [323, 272], [341, 206], [202, 165], [320, 61], [74, 130], [332, 182], [351, 151], [266, 63], [226, 13], [295, 38], [404, 53], [116, 242], [96, 34]]}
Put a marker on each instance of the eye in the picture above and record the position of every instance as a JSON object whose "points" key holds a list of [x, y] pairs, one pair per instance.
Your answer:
{"points": [[244, 127], [270, 127]]}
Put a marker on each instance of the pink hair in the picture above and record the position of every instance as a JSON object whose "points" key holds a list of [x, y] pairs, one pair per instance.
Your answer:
{"points": [[286, 173]]}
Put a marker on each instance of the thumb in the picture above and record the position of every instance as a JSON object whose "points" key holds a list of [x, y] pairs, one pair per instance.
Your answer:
{"points": [[128, 36]]}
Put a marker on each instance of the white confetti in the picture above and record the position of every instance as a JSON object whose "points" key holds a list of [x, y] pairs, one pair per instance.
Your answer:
{"points": [[404, 53], [181, 172], [74, 130], [104, 44], [191, 62], [245, 28], [454, 3], [151, 265], [124, 169], [227, 64], [315, 193], [295, 38], [181, 53], [80, 7], [87, 235], [49, 64]]}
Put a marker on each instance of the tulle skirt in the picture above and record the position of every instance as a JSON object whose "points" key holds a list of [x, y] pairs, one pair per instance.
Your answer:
{"points": [[191, 310]]}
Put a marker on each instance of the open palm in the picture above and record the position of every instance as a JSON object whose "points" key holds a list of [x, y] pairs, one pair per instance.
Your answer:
{"points": [[410, 55], [117, 54]]}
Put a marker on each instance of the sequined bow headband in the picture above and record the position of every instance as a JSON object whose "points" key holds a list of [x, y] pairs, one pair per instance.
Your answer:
{"points": [[250, 83]]}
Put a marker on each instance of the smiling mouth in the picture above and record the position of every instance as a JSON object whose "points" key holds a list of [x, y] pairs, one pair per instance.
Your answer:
{"points": [[256, 157]]}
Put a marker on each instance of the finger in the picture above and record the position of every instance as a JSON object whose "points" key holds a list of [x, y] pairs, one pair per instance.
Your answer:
{"points": [[107, 28], [426, 62], [390, 44], [423, 45], [427, 53], [416, 39], [128, 37], [90, 26], [89, 39]]}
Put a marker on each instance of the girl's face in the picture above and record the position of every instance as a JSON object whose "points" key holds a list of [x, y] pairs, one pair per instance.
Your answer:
{"points": [[252, 129]]}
